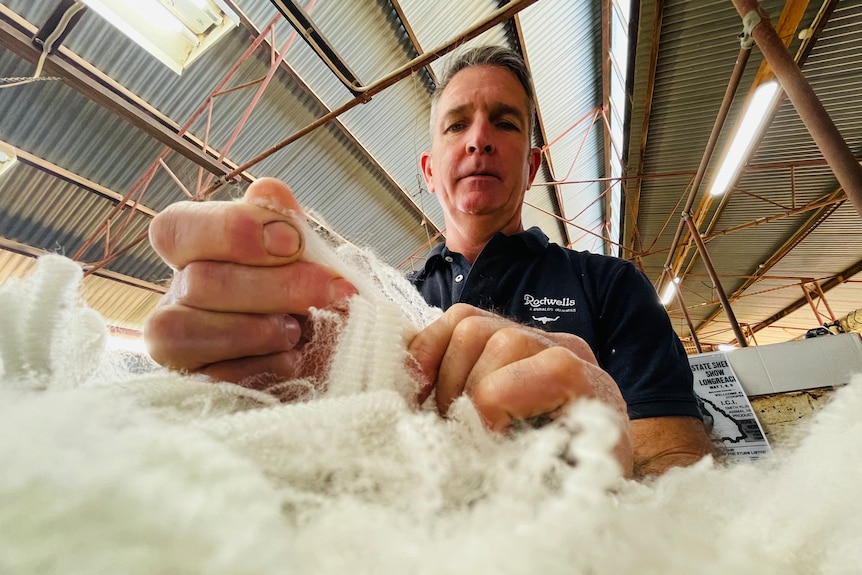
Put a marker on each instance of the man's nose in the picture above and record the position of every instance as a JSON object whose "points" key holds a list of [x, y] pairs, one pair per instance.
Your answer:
{"points": [[479, 138]]}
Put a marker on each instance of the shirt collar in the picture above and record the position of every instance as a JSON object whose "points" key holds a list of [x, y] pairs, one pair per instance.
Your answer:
{"points": [[528, 242], [533, 239]]}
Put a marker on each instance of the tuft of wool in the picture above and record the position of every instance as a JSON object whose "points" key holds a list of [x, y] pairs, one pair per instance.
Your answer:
{"points": [[34, 349], [109, 471]]}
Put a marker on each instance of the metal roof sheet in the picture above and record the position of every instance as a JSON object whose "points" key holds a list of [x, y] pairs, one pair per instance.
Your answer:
{"points": [[564, 49], [360, 173]]}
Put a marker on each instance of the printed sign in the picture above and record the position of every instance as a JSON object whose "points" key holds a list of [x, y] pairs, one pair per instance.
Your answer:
{"points": [[726, 408]]}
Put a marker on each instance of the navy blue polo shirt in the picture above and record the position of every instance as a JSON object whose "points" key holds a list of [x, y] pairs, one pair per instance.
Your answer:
{"points": [[605, 300]]}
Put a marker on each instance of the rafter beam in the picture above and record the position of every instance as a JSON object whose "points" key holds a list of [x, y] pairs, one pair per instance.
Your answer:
{"points": [[80, 181], [412, 35], [631, 237], [607, 208], [818, 217], [32, 252], [827, 285]]}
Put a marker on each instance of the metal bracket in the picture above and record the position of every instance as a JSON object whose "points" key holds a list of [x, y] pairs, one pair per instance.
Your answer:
{"points": [[58, 25], [219, 182], [223, 180], [749, 21]]}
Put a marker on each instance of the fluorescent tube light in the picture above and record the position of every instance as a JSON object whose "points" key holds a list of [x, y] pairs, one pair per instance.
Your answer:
{"points": [[176, 32], [669, 292], [725, 347], [758, 109]]}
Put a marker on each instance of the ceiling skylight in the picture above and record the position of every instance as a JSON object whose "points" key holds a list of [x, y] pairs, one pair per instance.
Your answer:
{"points": [[176, 32]]}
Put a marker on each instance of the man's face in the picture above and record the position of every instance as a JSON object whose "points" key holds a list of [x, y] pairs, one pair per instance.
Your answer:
{"points": [[480, 163]]}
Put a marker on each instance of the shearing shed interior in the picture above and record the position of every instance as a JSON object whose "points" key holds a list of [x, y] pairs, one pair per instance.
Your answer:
{"points": [[628, 96], [714, 143]]}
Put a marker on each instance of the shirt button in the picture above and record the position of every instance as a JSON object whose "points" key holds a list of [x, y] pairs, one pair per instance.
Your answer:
{"points": [[458, 278], [449, 259]]}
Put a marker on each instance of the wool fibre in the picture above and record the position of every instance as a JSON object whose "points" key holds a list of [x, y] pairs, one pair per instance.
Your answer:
{"points": [[109, 471]]}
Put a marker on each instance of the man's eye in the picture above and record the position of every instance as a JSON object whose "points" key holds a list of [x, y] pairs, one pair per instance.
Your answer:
{"points": [[506, 125], [456, 127]]}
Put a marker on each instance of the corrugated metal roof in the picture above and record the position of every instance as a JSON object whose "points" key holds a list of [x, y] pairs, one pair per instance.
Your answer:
{"points": [[382, 215], [696, 54], [564, 48], [361, 175]]}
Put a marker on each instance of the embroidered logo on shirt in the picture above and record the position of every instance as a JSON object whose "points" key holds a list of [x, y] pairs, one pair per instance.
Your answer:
{"points": [[539, 306], [549, 303]]}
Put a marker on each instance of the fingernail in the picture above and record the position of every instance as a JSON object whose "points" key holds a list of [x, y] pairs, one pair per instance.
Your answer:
{"points": [[292, 330], [340, 289], [280, 238]]}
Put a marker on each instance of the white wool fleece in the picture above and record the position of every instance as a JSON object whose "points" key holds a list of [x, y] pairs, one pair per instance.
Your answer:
{"points": [[106, 471]]}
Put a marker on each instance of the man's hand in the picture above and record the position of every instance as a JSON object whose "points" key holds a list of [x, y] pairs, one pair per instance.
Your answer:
{"points": [[511, 371], [240, 291]]}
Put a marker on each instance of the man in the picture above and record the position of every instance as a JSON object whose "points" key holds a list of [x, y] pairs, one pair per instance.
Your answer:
{"points": [[479, 167]]}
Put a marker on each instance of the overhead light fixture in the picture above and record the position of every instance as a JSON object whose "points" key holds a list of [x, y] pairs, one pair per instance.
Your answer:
{"points": [[8, 157], [669, 292], [758, 109], [176, 32], [725, 347]]}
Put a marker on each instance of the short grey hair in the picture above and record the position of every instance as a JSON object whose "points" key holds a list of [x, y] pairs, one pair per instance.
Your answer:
{"points": [[498, 56]]}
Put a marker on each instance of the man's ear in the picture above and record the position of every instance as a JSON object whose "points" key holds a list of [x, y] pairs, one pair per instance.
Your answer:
{"points": [[425, 162], [535, 160]]}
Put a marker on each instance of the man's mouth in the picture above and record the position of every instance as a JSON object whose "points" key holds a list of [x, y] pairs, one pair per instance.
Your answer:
{"points": [[480, 174]]}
